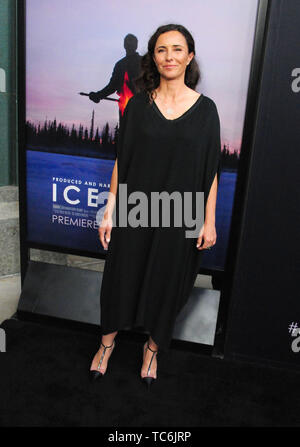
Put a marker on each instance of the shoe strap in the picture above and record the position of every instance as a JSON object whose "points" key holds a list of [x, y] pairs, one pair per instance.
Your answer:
{"points": [[103, 353], [107, 346], [154, 352], [149, 367]]}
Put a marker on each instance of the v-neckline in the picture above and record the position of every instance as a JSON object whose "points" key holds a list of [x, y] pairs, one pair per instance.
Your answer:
{"points": [[190, 109]]}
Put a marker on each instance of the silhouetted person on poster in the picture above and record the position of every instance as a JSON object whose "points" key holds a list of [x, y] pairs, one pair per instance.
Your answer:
{"points": [[130, 63]]}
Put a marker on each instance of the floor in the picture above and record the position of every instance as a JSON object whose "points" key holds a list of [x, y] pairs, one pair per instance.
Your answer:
{"points": [[10, 290], [46, 383]]}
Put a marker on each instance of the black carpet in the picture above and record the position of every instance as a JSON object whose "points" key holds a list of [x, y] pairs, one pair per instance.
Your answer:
{"points": [[44, 382]]}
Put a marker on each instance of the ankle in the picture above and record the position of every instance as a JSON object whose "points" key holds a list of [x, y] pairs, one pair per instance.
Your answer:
{"points": [[107, 340], [152, 345]]}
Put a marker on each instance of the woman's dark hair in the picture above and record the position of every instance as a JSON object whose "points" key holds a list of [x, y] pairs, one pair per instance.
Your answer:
{"points": [[149, 78]]}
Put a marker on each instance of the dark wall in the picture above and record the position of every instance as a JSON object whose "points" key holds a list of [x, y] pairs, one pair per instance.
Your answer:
{"points": [[265, 298]]}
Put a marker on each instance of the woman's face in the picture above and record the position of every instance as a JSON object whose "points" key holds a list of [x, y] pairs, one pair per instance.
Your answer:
{"points": [[171, 54]]}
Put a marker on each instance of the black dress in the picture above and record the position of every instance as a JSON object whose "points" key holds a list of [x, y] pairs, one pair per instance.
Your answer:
{"points": [[150, 272]]}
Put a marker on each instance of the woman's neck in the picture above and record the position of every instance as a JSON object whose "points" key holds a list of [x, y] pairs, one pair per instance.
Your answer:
{"points": [[171, 90]]}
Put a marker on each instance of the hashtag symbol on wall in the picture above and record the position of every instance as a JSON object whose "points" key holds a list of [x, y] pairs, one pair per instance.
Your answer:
{"points": [[293, 328]]}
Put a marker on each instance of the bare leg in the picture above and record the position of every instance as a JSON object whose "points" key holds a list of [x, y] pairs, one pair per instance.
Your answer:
{"points": [[107, 340], [147, 359]]}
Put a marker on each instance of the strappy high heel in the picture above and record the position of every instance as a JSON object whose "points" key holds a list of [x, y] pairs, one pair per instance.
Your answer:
{"points": [[95, 374], [148, 380]]}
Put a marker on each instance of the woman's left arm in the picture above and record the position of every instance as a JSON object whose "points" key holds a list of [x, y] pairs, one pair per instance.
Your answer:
{"points": [[208, 231], [212, 170]]}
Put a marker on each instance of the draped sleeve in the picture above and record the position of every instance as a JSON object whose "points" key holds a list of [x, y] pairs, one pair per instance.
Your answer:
{"points": [[212, 163], [122, 129], [124, 147]]}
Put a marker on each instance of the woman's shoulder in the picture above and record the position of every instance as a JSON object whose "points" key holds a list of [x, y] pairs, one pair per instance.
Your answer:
{"points": [[209, 102], [139, 97], [136, 101], [212, 113]]}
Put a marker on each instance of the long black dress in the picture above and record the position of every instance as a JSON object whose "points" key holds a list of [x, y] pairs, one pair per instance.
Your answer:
{"points": [[149, 272]]}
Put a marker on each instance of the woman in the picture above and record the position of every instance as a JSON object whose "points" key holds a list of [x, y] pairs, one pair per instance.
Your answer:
{"points": [[169, 141]]}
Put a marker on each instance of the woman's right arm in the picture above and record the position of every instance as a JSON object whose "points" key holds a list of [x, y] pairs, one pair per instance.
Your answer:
{"points": [[106, 223]]}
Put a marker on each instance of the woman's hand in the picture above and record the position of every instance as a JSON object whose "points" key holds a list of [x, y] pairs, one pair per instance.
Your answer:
{"points": [[208, 235], [105, 228]]}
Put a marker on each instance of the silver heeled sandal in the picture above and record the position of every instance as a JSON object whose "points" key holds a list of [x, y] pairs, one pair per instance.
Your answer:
{"points": [[148, 380], [95, 374]]}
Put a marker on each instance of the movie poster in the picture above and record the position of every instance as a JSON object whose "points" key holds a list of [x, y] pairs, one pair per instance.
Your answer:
{"points": [[81, 57]]}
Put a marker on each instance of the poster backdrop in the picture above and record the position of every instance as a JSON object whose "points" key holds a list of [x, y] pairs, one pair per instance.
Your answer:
{"points": [[264, 319], [74, 47]]}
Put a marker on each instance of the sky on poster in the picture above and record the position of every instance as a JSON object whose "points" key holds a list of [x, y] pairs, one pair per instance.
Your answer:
{"points": [[73, 45]]}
